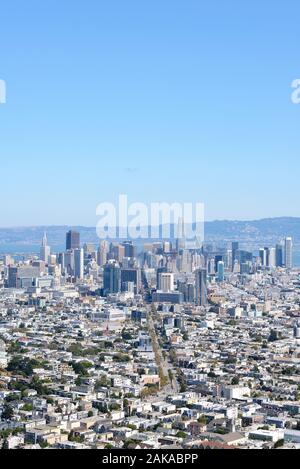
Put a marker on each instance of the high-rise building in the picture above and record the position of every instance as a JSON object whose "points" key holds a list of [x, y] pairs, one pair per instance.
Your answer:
{"points": [[8, 260], [221, 271], [201, 287], [112, 278], [218, 258], [45, 249], [271, 257], [89, 248], [118, 252], [160, 270], [102, 253], [263, 256], [69, 262], [234, 250], [131, 276], [72, 240], [279, 255], [78, 263], [288, 253], [244, 256], [211, 266], [166, 282], [167, 246], [129, 249], [22, 276]]}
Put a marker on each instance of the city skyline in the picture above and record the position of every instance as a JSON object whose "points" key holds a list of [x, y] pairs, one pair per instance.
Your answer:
{"points": [[193, 97]]}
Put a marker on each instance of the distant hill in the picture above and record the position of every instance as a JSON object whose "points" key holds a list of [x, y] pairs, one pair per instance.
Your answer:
{"points": [[266, 230], [252, 234]]}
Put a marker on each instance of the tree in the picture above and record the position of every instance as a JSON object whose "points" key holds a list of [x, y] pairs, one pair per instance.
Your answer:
{"points": [[114, 406], [279, 444], [103, 382], [8, 412], [121, 357], [235, 380], [27, 407], [23, 365], [75, 438], [44, 444], [5, 444], [81, 368], [126, 335]]}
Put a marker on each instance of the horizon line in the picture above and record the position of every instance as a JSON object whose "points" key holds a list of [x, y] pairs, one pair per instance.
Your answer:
{"points": [[216, 220]]}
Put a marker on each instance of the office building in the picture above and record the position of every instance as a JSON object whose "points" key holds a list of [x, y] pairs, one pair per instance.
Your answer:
{"points": [[263, 257], [72, 240], [22, 277], [201, 287], [234, 251], [271, 258], [288, 253], [111, 278], [221, 271], [78, 264], [166, 282], [174, 297], [279, 255], [131, 276], [129, 249], [102, 253], [160, 271], [45, 250]]}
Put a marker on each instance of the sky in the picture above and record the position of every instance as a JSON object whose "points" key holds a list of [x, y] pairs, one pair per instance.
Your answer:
{"points": [[165, 101]]}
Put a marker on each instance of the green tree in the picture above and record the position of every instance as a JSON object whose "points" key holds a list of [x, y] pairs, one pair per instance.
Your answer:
{"points": [[7, 413]]}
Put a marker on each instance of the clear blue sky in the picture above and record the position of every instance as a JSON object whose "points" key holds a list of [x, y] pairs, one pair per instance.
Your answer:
{"points": [[163, 100]]}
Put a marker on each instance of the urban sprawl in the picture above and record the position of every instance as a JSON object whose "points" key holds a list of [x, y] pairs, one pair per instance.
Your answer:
{"points": [[165, 347]]}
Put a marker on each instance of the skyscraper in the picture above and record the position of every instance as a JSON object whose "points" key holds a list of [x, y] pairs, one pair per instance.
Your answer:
{"points": [[69, 262], [72, 240], [129, 249], [159, 271], [112, 278], [263, 256], [234, 249], [271, 257], [201, 287], [279, 255], [102, 253], [78, 263], [221, 271], [131, 276], [166, 282], [118, 252], [288, 253], [45, 249]]}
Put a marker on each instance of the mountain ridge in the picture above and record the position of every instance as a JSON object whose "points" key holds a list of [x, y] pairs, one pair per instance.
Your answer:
{"points": [[251, 233]]}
